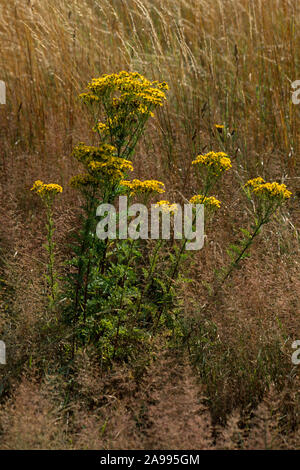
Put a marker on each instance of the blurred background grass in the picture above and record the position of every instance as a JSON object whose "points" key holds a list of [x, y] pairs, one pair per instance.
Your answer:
{"points": [[228, 62]]}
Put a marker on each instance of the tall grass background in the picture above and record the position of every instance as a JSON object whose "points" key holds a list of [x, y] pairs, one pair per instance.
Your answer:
{"points": [[229, 62]]}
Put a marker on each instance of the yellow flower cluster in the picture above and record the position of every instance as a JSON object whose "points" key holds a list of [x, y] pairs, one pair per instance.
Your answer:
{"points": [[217, 162], [121, 106], [89, 98], [101, 127], [152, 96], [86, 153], [147, 186], [253, 183], [271, 191], [124, 81], [114, 167], [211, 201], [131, 86], [101, 163], [167, 207], [43, 189], [80, 181]]}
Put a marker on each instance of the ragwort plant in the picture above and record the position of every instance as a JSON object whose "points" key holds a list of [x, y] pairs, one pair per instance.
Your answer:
{"points": [[105, 279], [47, 193], [266, 199]]}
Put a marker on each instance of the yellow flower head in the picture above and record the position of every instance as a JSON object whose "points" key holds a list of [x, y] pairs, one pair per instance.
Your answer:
{"points": [[131, 87], [210, 202], [272, 191], [147, 186], [216, 162], [46, 191]]}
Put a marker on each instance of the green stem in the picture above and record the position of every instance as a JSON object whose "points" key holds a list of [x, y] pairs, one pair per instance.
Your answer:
{"points": [[50, 249], [264, 219], [149, 275], [235, 263]]}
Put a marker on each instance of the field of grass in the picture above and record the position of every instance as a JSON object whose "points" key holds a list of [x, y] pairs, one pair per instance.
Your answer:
{"points": [[225, 380]]}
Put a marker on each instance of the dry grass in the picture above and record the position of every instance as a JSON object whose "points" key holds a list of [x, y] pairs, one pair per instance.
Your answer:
{"points": [[229, 62]]}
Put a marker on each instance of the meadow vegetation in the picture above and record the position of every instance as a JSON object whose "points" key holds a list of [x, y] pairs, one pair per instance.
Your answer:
{"points": [[138, 344]]}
